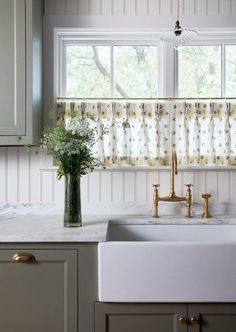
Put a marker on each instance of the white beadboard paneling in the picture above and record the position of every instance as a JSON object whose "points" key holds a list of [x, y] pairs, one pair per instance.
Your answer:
{"points": [[213, 7], [166, 7], [24, 175], [232, 187], [47, 181], [94, 7], [139, 7], [84, 188], [129, 186], [29, 176], [141, 186], [60, 7], [118, 7], [142, 7], [12, 175], [72, 7], [59, 188], [106, 190], [94, 187], [46, 159], [189, 7], [3, 174], [130, 7], [233, 7], [117, 182], [153, 7], [49, 7], [212, 185], [223, 186], [199, 185], [201, 7], [106, 7], [179, 187], [164, 183], [83, 7], [225, 7], [35, 180]]}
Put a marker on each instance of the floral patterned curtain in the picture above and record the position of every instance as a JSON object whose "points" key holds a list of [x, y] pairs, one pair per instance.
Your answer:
{"points": [[144, 132]]}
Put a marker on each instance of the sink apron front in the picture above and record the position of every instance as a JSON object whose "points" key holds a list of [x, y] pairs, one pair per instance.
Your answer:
{"points": [[167, 272]]}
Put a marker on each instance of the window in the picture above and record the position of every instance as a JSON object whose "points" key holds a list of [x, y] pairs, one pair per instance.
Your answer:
{"points": [[106, 65], [230, 70], [98, 71], [206, 71]]}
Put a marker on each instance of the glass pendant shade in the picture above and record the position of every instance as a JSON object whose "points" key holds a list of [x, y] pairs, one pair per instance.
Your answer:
{"points": [[178, 36]]}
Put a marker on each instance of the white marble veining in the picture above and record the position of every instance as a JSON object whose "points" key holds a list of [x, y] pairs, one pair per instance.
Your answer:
{"points": [[119, 208], [49, 228]]}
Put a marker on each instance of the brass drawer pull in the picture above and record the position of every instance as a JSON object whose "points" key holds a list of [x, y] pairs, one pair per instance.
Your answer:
{"points": [[183, 320], [23, 257], [194, 320]]}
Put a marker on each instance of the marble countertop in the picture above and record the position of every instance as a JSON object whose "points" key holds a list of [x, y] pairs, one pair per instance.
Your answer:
{"points": [[49, 228]]}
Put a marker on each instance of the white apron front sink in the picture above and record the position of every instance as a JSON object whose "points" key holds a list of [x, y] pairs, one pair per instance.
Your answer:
{"points": [[168, 263]]}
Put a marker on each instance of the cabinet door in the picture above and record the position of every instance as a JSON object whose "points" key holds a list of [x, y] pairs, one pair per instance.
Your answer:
{"points": [[139, 317], [12, 67], [39, 296], [212, 317]]}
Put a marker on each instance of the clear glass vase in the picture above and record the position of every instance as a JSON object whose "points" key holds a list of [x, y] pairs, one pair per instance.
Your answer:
{"points": [[72, 212]]}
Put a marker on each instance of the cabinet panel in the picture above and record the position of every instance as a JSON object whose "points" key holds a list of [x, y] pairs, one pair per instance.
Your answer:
{"points": [[12, 67], [39, 296], [212, 317], [139, 317]]}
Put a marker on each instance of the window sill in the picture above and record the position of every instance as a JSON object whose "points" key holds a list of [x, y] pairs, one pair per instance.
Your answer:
{"points": [[153, 168]]}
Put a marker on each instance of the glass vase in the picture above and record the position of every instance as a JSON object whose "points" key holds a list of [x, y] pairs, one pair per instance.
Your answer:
{"points": [[72, 212]]}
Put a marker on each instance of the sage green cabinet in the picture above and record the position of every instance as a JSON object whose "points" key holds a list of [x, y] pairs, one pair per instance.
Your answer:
{"points": [[21, 71], [140, 317], [38, 295], [165, 317], [212, 317]]}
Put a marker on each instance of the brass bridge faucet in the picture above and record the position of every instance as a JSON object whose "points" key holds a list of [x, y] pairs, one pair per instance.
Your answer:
{"points": [[172, 197]]}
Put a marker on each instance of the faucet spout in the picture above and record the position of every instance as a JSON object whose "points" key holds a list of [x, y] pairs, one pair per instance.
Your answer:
{"points": [[174, 171], [172, 197]]}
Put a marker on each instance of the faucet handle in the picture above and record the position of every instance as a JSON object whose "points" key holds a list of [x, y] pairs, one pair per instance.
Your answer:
{"points": [[189, 185], [156, 186]]}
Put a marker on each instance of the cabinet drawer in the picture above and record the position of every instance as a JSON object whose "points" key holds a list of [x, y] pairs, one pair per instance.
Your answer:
{"points": [[38, 295], [139, 317]]}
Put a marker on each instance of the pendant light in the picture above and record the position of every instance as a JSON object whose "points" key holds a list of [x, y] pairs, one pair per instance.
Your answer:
{"points": [[179, 36]]}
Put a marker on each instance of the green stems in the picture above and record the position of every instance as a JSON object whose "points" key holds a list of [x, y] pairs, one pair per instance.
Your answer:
{"points": [[72, 213]]}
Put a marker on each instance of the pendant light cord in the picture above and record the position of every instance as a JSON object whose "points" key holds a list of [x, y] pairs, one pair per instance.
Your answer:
{"points": [[178, 6]]}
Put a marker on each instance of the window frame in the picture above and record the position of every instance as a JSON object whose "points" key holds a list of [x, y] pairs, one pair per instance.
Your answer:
{"points": [[208, 42], [64, 38]]}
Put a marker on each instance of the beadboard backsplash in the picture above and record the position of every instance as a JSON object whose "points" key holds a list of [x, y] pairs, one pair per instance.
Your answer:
{"points": [[28, 176]]}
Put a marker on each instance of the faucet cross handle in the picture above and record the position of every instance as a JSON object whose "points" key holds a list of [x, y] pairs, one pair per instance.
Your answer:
{"points": [[189, 185]]}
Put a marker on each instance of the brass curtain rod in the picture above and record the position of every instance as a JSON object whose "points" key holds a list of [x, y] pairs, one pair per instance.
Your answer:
{"points": [[168, 98]]}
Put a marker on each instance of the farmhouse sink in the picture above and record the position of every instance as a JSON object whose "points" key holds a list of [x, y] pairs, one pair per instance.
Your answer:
{"points": [[168, 263]]}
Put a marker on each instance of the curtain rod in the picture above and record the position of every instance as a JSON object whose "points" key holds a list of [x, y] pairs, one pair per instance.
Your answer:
{"points": [[167, 98]]}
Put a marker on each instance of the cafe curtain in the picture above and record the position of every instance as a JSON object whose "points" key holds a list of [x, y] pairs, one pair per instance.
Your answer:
{"points": [[144, 132]]}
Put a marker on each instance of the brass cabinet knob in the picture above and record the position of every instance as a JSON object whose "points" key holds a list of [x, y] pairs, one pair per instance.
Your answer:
{"points": [[194, 320], [23, 257], [183, 320]]}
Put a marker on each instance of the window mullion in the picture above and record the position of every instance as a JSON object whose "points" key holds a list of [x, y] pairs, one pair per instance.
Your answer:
{"points": [[223, 92], [112, 72]]}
